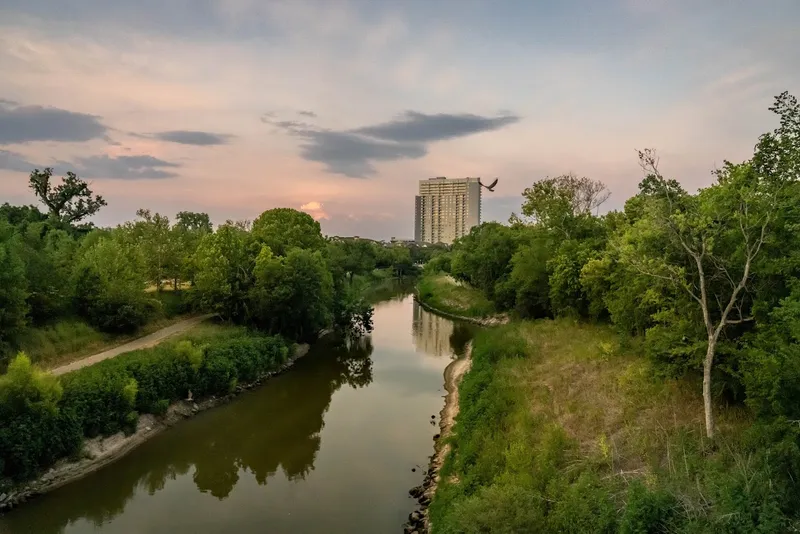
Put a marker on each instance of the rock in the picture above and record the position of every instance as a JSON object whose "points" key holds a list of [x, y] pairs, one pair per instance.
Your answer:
{"points": [[433, 417], [415, 516], [195, 408], [437, 436], [3, 497], [413, 469], [147, 429]]}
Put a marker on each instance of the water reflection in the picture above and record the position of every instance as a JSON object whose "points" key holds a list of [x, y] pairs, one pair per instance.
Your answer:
{"points": [[258, 464], [437, 335], [276, 430]]}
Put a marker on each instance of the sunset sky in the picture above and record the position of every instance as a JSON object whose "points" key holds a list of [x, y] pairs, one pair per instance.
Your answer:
{"points": [[338, 108]]}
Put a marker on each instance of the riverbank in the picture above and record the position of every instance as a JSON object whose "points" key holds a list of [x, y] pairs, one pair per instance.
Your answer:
{"points": [[100, 451], [419, 521], [561, 428], [447, 296], [492, 320]]}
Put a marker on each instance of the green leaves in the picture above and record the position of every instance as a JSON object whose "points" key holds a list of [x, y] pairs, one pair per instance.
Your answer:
{"points": [[69, 202]]}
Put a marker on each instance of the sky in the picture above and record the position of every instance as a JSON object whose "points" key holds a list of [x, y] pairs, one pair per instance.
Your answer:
{"points": [[339, 108]]}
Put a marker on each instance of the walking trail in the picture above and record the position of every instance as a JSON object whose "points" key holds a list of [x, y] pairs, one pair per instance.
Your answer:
{"points": [[150, 340]]}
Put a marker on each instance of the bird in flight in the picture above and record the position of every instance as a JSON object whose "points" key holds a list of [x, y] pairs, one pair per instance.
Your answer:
{"points": [[490, 187]]}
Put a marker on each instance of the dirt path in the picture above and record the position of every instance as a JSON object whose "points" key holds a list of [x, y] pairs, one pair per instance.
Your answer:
{"points": [[147, 341]]}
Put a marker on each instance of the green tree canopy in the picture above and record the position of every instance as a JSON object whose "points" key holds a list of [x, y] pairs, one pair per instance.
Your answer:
{"points": [[283, 228]]}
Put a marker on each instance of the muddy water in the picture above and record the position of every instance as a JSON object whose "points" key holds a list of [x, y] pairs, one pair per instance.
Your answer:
{"points": [[328, 446]]}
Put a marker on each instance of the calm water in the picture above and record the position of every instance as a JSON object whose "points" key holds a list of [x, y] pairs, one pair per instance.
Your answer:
{"points": [[326, 447]]}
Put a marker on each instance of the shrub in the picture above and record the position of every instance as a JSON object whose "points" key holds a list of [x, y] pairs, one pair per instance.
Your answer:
{"points": [[647, 512], [35, 432]]}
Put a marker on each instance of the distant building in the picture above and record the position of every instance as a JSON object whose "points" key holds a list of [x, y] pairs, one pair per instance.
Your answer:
{"points": [[446, 209]]}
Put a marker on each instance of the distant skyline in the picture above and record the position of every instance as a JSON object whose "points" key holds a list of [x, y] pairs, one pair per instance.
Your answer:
{"points": [[339, 108]]}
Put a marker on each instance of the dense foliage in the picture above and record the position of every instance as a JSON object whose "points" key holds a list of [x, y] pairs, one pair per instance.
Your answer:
{"points": [[709, 281]]}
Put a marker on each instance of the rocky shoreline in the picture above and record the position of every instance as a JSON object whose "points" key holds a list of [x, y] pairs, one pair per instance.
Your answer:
{"points": [[101, 451], [492, 320], [419, 520]]}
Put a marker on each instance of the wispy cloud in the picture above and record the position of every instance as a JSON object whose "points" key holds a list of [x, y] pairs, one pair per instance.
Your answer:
{"points": [[190, 137], [122, 167]]}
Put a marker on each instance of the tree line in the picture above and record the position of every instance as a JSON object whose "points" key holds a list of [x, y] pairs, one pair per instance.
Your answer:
{"points": [[277, 273], [709, 280]]}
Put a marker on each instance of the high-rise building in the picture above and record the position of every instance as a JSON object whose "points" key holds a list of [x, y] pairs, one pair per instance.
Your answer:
{"points": [[446, 209]]}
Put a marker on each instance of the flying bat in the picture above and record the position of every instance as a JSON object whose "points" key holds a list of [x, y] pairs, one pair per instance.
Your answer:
{"points": [[490, 187]]}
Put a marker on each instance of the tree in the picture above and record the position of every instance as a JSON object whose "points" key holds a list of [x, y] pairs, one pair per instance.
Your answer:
{"points": [[110, 284], [283, 228], [482, 258], [707, 245], [188, 231], [560, 203], [13, 288], [69, 202], [292, 295], [153, 236], [48, 257], [224, 262]]}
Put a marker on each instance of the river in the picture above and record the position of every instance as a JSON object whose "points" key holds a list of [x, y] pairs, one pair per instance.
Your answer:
{"points": [[328, 446]]}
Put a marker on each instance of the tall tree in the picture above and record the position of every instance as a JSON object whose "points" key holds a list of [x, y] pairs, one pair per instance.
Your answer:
{"points": [[187, 232], [707, 244], [284, 228], [153, 235], [559, 203], [13, 288], [71, 201]]}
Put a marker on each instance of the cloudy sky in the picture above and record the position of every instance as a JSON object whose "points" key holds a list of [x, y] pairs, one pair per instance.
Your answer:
{"points": [[340, 107]]}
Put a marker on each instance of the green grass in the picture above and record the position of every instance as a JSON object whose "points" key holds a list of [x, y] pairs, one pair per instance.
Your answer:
{"points": [[445, 294], [70, 339], [562, 429]]}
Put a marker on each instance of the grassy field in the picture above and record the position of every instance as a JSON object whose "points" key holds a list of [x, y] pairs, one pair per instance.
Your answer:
{"points": [[563, 430], [68, 340], [445, 294]]}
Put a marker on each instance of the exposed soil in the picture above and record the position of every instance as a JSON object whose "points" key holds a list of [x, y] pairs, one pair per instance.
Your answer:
{"points": [[418, 520]]}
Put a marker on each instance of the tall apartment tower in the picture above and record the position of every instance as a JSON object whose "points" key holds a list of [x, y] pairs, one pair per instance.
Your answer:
{"points": [[446, 209]]}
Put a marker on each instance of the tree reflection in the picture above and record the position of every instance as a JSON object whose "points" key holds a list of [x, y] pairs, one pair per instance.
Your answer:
{"points": [[461, 335], [437, 335], [275, 427]]}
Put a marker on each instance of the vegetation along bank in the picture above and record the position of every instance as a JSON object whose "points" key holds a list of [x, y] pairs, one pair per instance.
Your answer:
{"points": [[648, 380]]}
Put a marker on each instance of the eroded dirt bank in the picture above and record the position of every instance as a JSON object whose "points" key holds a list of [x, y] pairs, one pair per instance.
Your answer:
{"points": [[419, 521]]}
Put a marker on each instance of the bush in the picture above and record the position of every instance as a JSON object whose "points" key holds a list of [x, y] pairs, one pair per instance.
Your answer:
{"points": [[35, 432], [647, 512]]}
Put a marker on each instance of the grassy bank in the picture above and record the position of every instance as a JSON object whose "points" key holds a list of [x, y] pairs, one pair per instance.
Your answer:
{"points": [[69, 339], [46, 418], [443, 293], [563, 430]]}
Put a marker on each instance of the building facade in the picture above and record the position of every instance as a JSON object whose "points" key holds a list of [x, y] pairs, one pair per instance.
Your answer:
{"points": [[446, 209]]}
